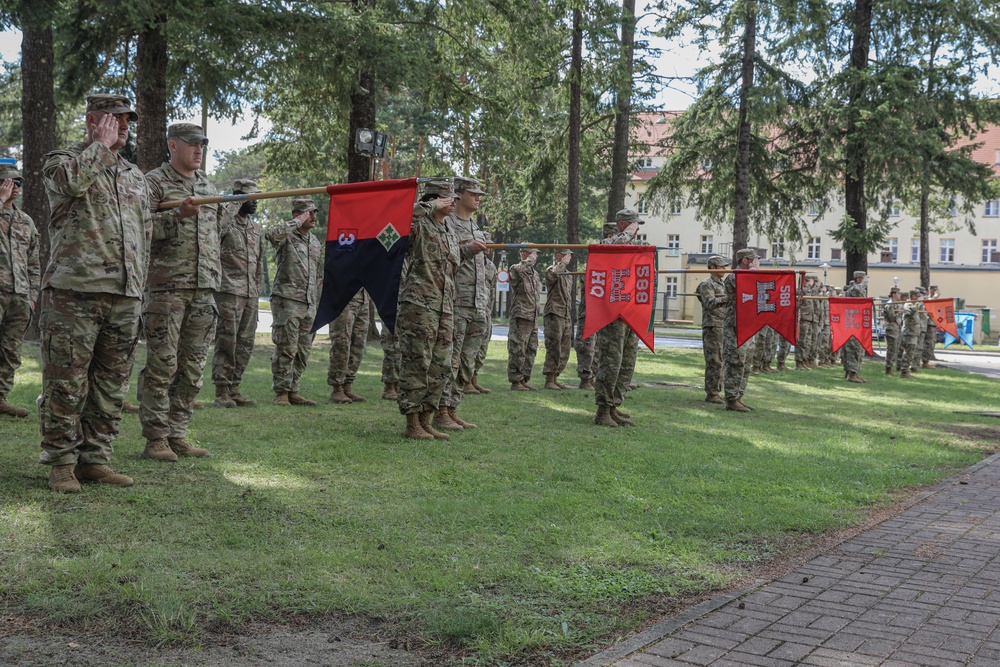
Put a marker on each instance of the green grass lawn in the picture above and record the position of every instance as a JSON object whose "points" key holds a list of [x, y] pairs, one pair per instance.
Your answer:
{"points": [[535, 534]]}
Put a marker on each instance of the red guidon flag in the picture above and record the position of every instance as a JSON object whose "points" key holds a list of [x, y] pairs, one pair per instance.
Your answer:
{"points": [[942, 312], [765, 298], [851, 317], [620, 281]]}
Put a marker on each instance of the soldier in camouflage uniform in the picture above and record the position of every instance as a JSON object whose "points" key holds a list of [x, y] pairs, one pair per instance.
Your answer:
{"points": [[910, 334], [557, 317], [930, 336], [471, 301], [426, 319], [712, 296], [763, 353], [484, 346], [242, 253], [825, 341], [736, 359], [348, 339], [100, 230], [587, 361], [892, 316], [522, 336], [390, 364], [294, 299], [19, 278], [805, 346], [853, 353], [617, 344], [924, 317], [179, 314]]}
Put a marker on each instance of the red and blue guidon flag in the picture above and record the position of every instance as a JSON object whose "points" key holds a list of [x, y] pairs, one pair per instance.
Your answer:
{"points": [[366, 238]]}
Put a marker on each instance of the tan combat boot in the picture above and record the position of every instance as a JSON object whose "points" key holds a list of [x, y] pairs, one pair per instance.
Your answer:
{"points": [[12, 410], [714, 398], [129, 407], [736, 406], [197, 405], [458, 420], [425, 423], [238, 398], [603, 416], [481, 388], [782, 367], [158, 449], [443, 421], [888, 370], [550, 383], [281, 398], [854, 377], [351, 395], [587, 383], [470, 388], [222, 399], [561, 385], [184, 448], [906, 375], [338, 396], [102, 474], [518, 386], [389, 392], [296, 399], [524, 383], [62, 479], [620, 417], [414, 430]]}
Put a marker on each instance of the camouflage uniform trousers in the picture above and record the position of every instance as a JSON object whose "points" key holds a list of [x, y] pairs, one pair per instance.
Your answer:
{"points": [[348, 340], [930, 338], [15, 314], [234, 338], [522, 346], [586, 353], [737, 362], [290, 327], [711, 346], [426, 342], [853, 355], [617, 346], [390, 356], [784, 347], [88, 348], [764, 350], [484, 347], [179, 327], [892, 350], [470, 327], [825, 344], [918, 351], [805, 347], [909, 353], [558, 343]]}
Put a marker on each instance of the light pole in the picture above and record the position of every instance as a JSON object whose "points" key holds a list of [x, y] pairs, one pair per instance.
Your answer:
{"points": [[825, 267]]}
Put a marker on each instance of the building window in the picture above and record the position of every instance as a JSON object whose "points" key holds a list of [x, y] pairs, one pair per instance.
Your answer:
{"points": [[894, 210], [642, 207], [992, 209], [670, 288], [813, 249], [673, 245], [989, 247], [778, 249], [706, 164], [646, 163], [814, 207], [706, 243], [675, 206], [914, 250], [892, 246], [640, 238], [835, 254], [947, 251], [952, 206], [996, 160]]}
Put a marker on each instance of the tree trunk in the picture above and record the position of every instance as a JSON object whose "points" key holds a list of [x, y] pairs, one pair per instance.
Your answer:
{"points": [[856, 149], [619, 153], [741, 173], [362, 116], [151, 96], [925, 233], [573, 173]]}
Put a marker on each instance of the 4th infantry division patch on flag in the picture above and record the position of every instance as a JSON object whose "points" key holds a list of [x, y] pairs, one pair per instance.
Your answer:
{"points": [[366, 238]]}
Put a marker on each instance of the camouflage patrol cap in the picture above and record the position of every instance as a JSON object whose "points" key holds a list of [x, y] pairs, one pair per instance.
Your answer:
{"points": [[188, 133], [303, 205], [746, 253], [9, 171], [717, 261], [464, 184], [894, 290], [528, 251], [112, 104], [563, 251], [610, 227], [629, 216], [441, 187], [245, 185], [860, 274], [814, 276], [914, 292]]}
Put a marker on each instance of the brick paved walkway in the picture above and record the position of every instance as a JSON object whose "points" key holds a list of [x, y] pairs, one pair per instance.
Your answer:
{"points": [[922, 588]]}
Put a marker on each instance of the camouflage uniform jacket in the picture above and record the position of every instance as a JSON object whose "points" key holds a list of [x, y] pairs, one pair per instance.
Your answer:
{"points": [[19, 270], [892, 315], [242, 249], [560, 286], [711, 294], [491, 284], [471, 290], [431, 262], [100, 226], [911, 319], [298, 257], [189, 259], [525, 288], [808, 308], [856, 290]]}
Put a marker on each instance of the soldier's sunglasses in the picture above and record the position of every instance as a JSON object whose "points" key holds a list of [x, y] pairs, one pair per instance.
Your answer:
{"points": [[16, 181]]}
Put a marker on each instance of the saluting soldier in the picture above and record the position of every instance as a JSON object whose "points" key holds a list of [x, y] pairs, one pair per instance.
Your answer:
{"points": [[522, 337], [99, 234], [712, 295], [737, 358], [557, 317], [892, 315], [19, 279]]}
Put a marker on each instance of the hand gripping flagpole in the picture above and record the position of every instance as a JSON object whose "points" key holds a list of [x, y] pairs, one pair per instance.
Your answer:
{"points": [[253, 196]]}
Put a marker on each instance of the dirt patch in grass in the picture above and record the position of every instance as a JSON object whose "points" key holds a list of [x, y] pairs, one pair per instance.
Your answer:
{"points": [[987, 436]]}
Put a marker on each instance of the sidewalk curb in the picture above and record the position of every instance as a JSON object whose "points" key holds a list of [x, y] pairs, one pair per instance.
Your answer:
{"points": [[657, 632]]}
